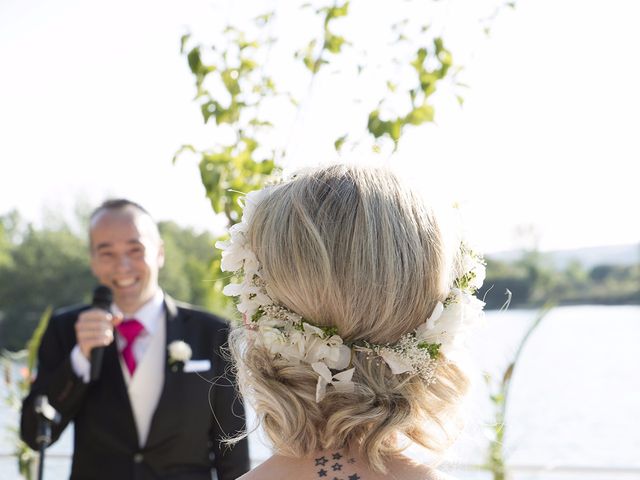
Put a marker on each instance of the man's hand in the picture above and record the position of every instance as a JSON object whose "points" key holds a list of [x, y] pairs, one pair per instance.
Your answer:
{"points": [[94, 328]]}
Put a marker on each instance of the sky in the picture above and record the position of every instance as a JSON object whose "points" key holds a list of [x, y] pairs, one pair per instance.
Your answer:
{"points": [[95, 99]]}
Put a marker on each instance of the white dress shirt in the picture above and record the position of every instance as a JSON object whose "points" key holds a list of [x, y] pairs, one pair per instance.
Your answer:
{"points": [[145, 386]]}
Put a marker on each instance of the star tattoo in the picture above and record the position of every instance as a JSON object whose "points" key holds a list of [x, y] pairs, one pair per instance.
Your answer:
{"points": [[321, 461], [322, 472]]}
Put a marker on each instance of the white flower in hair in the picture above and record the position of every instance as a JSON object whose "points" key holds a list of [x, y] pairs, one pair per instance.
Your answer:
{"points": [[251, 202], [336, 354], [340, 381], [272, 339], [396, 362]]}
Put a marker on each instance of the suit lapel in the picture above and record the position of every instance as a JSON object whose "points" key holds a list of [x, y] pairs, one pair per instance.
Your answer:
{"points": [[163, 419]]}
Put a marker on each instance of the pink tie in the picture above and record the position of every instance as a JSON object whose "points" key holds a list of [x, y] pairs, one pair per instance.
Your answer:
{"points": [[130, 329]]}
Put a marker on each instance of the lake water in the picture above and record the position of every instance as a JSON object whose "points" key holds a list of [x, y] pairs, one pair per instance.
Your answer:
{"points": [[574, 402]]}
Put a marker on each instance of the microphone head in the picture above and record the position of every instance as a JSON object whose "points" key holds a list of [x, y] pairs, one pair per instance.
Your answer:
{"points": [[102, 297]]}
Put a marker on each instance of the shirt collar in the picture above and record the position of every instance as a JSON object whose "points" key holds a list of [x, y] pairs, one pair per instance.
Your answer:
{"points": [[149, 314]]}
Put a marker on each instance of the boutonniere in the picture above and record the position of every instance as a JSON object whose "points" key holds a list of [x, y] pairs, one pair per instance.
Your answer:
{"points": [[179, 354]]}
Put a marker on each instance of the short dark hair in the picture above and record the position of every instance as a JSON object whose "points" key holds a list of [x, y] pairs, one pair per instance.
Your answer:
{"points": [[118, 204]]}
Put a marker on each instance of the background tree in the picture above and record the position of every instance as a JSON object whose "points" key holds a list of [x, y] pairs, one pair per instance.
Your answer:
{"points": [[46, 266], [188, 273]]}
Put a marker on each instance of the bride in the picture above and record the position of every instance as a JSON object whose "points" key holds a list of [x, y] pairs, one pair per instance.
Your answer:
{"points": [[354, 308]]}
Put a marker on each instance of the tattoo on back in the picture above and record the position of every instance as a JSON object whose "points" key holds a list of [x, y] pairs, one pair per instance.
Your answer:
{"points": [[336, 468]]}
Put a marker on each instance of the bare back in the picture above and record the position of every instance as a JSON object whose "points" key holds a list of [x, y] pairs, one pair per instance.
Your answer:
{"points": [[339, 465]]}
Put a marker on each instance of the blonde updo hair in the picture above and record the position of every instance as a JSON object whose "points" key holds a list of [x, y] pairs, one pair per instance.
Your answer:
{"points": [[350, 247]]}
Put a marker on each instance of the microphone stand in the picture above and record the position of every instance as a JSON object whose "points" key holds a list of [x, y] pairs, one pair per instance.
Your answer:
{"points": [[47, 416]]}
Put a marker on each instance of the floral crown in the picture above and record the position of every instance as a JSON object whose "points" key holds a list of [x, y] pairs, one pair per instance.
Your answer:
{"points": [[285, 334]]}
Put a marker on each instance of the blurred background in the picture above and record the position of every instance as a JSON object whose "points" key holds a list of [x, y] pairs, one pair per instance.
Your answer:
{"points": [[524, 115]]}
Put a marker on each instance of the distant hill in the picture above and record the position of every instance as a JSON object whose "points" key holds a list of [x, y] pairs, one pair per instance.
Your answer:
{"points": [[589, 257]]}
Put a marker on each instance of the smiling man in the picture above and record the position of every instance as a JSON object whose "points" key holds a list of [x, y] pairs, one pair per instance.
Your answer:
{"points": [[148, 415], [126, 253]]}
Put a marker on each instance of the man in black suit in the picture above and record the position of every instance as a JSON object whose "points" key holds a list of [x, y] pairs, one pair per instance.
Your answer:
{"points": [[152, 414]]}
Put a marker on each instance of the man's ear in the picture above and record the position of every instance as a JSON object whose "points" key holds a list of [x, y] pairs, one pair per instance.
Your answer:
{"points": [[92, 263], [161, 254]]}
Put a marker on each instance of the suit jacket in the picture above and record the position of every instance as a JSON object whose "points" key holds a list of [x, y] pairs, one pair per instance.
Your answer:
{"points": [[191, 418]]}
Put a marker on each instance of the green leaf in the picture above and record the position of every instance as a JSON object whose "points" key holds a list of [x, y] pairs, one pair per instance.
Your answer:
{"points": [[428, 82], [337, 12], [183, 148], [443, 55], [229, 77], [340, 142], [183, 42], [247, 65], [329, 331], [228, 115], [508, 373], [432, 348], [243, 44], [395, 130], [308, 58], [418, 63], [438, 44], [376, 127], [195, 63], [333, 43], [260, 123], [262, 20], [420, 115], [208, 109]]}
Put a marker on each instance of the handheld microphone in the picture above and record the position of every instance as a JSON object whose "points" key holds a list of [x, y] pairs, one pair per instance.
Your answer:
{"points": [[102, 298]]}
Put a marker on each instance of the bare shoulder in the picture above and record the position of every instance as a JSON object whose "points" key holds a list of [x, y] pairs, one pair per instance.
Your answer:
{"points": [[274, 467], [406, 468], [438, 475]]}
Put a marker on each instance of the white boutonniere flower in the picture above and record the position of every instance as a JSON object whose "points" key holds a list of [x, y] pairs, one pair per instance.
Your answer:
{"points": [[179, 354]]}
